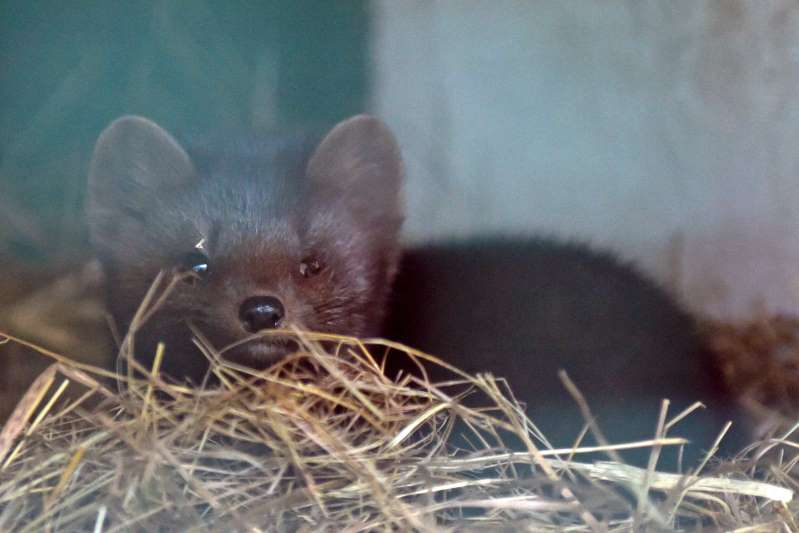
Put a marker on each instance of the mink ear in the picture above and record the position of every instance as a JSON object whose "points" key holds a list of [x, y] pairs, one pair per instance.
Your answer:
{"points": [[358, 164], [134, 163], [135, 159]]}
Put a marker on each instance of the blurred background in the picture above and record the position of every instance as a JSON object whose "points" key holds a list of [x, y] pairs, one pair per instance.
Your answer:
{"points": [[665, 130], [68, 69]]}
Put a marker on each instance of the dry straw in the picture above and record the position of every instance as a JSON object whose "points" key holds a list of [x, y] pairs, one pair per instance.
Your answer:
{"points": [[323, 441]]}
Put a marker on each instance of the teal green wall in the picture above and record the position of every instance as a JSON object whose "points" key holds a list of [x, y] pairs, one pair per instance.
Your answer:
{"points": [[68, 68]]}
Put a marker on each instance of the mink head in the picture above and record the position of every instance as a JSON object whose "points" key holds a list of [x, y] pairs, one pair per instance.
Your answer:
{"points": [[260, 234]]}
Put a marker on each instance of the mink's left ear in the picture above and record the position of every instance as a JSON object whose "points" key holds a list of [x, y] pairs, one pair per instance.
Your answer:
{"points": [[358, 164]]}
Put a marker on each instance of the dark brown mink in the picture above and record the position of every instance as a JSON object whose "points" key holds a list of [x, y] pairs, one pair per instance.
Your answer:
{"points": [[279, 231]]}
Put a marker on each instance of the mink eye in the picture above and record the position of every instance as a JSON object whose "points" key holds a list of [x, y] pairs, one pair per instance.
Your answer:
{"points": [[194, 263], [310, 266]]}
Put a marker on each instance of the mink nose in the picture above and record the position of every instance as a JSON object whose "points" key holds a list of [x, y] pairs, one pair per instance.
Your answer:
{"points": [[261, 312]]}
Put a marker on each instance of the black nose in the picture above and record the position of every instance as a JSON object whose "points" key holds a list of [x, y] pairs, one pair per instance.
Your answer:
{"points": [[261, 312]]}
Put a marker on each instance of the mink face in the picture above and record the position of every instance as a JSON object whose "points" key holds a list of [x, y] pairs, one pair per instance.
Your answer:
{"points": [[263, 234]]}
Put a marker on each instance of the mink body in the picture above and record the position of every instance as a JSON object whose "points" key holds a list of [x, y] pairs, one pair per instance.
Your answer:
{"points": [[523, 309]]}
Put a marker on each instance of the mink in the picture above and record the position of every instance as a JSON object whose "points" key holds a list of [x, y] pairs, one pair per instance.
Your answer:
{"points": [[278, 231]]}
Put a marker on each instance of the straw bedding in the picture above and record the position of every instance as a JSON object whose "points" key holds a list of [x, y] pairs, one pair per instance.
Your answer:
{"points": [[323, 441]]}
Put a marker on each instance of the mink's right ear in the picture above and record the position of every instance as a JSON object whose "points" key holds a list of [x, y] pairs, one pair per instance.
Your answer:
{"points": [[135, 162]]}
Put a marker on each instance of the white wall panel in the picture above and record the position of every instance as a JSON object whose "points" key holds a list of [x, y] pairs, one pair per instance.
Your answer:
{"points": [[668, 130]]}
